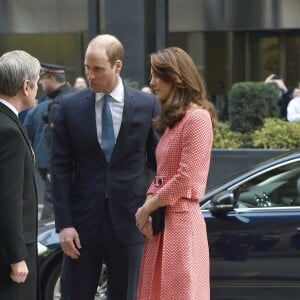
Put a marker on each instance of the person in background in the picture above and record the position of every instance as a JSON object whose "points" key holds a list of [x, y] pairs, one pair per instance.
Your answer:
{"points": [[102, 140], [296, 91], [54, 85], [149, 173], [175, 263], [80, 83], [146, 89], [19, 75], [53, 82], [23, 113], [293, 109], [285, 95], [34, 124]]}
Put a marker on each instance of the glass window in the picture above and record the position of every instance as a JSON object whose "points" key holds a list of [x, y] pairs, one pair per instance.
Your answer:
{"points": [[264, 56], [275, 53], [65, 49], [279, 187], [292, 59]]}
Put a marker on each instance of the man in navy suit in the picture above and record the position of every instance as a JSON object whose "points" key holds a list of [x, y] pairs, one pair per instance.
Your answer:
{"points": [[96, 197]]}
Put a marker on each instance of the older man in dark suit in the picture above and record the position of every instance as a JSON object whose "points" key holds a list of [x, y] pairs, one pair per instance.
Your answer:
{"points": [[19, 75], [102, 140]]}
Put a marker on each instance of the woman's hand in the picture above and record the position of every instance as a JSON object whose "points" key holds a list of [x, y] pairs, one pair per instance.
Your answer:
{"points": [[147, 230], [142, 217]]}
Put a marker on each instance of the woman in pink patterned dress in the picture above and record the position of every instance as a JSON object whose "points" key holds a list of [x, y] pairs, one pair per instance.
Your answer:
{"points": [[175, 262]]}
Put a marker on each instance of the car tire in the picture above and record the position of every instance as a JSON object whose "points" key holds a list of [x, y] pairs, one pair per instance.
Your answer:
{"points": [[52, 287]]}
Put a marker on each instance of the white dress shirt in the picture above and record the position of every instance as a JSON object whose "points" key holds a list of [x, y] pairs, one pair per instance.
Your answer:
{"points": [[116, 104], [10, 106], [293, 110]]}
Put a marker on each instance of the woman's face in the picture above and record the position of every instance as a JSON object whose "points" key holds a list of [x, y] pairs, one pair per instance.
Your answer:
{"points": [[160, 88]]}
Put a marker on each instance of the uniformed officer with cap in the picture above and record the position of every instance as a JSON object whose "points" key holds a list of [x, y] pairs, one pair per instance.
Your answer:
{"points": [[51, 68], [54, 85], [53, 80]]}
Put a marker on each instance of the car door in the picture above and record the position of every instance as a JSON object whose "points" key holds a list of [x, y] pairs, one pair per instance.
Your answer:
{"points": [[255, 248]]}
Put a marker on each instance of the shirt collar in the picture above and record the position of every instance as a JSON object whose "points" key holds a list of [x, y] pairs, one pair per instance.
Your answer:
{"points": [[117, 93], [10, 106]]}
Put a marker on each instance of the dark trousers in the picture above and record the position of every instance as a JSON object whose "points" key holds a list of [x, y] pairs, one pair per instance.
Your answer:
{"points": [[80, 277], [28, 290]]}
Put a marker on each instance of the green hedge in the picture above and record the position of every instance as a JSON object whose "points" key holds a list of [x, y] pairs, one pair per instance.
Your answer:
{"points": [[225, 138], [249, 103], [274, 134], [254, 120]]}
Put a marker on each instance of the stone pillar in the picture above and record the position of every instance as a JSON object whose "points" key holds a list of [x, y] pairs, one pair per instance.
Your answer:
{"points": [[93, 18], [141, 27]]}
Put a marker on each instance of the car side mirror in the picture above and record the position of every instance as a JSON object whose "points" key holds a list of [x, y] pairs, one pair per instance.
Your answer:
{"points": [[222, 203]]}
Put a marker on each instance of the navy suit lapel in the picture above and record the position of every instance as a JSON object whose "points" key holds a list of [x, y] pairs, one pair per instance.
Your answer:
{"points": [[90, 116]]}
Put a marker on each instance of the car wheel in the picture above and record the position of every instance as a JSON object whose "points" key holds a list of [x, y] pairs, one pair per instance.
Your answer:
{"points": [[53, 285], [102, 287], [52, 288]]}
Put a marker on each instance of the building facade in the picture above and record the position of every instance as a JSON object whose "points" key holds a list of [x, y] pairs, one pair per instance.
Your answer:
{"points": [[230, 40]]}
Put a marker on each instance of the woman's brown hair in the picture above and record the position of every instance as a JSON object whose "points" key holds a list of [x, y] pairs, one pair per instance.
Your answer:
{"points": [[173, 65]]}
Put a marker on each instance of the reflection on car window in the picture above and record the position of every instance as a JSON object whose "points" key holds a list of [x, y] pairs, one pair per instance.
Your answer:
{"points": [[279, 187]]}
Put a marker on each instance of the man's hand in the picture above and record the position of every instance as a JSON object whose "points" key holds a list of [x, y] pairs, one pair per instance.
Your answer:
{"points": [[70, 242], [19, 271]]}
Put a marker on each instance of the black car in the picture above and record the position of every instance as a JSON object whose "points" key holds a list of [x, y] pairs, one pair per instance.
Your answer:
{"points": [[253, 224], [50, 259]]}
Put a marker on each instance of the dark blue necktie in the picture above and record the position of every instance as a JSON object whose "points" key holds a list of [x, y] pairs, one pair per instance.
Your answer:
{"points": [[108, 136]]}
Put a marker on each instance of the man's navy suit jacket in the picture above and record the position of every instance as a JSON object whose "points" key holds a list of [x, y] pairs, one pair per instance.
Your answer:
{"points": [[83, 182]]}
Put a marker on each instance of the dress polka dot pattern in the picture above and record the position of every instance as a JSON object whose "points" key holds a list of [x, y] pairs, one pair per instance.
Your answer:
{"points": [[175, 263]]}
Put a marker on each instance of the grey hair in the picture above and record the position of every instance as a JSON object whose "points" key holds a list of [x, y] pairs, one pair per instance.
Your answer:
{"points": [[16, 67]]}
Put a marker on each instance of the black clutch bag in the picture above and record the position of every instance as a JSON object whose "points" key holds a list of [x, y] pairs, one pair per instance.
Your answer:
{"points": [[158, 220]]}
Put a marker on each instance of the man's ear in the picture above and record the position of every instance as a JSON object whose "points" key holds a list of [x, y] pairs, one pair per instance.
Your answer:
{"points": [[118, 65], [25, 87]]}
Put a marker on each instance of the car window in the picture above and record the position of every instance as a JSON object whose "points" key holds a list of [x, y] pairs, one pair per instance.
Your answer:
{"points": [[279, 187]]}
